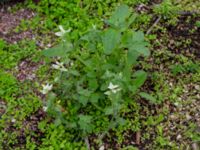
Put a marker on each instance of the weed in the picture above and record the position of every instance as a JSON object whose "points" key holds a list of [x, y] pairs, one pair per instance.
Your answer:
{"points": [[95, 75], [188, 67], [11, 55]]}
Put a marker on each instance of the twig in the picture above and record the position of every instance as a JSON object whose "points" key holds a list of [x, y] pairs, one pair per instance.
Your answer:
{"points": [[87, 143], [138, 136], [81, 4], [155, 23]]}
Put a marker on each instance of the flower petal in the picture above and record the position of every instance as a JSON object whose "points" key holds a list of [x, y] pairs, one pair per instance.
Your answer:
{"points": [[59, 34], [61, 29]]}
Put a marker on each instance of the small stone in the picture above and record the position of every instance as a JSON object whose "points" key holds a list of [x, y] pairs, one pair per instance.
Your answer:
{"points": [[178, 137], [197, 87], [195, 146], [176, 103], [173, 117], [49, 45], [102, 147], [188, 117]]}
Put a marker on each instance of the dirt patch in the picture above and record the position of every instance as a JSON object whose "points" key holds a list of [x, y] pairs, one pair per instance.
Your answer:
{"points": [[26, 70], [30, 125], [184, 37], [9, 21]]}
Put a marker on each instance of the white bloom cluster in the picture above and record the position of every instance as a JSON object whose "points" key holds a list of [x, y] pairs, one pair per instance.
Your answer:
{"points": [[59, 66], [62, 31], [112, 89], [46, 88]]}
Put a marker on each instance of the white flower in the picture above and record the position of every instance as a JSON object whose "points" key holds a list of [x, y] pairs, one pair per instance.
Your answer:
{"points": [[59, 66], [112, 86], [116, 90], [13, 120], [45, 108], [56, 66], [62, 31], [46, 88], [112, 89]]}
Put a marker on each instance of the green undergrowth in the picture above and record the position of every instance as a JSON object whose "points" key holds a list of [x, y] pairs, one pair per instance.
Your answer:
{"points": [[168, 77], [9, 86], [12, 54]]}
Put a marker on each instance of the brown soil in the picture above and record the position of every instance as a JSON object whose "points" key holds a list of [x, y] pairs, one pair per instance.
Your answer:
{"points": [[30, 125], [185, 30], [9, 21], [26, 70]]}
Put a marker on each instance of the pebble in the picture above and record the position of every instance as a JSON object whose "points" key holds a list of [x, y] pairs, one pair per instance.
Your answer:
{"points": [[197, 87], [195, 146], [102, 147], [178, 137], [188, 117]]}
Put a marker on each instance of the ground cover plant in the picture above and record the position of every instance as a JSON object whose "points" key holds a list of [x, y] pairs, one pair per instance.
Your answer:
{"points": [[99, 74], [100, 63]]}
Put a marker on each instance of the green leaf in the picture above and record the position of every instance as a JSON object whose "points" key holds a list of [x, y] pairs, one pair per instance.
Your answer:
{"points": [[59, 50], [132, 57], [51, 98], [109, 110], [138, 36], [131, 19], [197, 24], [93, 84], [130, 148], [140, 48], [132, 37], [140, 78], [94, 98], [85, 123], [148, 97], [92, 38], [83, 100], [120, 15], [84, 92], [110, 39], [2, 44], [137, 43], [74, 72]]}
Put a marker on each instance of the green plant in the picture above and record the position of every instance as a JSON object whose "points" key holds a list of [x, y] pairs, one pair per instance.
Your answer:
{"points": [[161, 141], [197, 24], [189, 67], [193, 132], [11, 54], [96, 76], [9, 86], [77, 14], [57, 138], [166, 9]]}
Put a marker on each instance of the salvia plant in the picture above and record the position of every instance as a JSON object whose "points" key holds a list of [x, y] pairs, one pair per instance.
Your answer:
{"points": [[96, 76]]}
